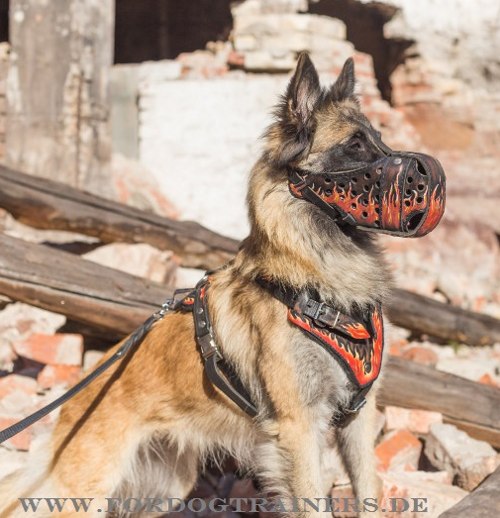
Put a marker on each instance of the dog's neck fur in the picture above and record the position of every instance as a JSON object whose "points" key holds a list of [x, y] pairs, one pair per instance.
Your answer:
{"points": [[296, 244], [292, 241]]}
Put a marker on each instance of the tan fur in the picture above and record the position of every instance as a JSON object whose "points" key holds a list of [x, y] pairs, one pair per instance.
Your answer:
{"points": [[146, 426]]}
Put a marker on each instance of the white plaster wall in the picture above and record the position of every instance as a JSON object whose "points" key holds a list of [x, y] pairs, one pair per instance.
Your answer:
{"points": [[461, 37], [201, 138]]}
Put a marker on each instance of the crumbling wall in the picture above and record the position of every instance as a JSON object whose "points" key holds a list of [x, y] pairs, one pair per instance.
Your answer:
{"points": [[200, 116]]}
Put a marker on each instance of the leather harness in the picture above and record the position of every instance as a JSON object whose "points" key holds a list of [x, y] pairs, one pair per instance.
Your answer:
{"points": [[357, 344]]}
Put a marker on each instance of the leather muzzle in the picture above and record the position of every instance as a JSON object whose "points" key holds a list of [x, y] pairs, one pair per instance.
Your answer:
{"points": [[400, 194]]}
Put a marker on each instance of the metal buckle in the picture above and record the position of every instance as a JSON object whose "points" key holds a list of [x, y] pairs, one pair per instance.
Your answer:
{"points": [[357, 407], [316, 310], [313, 309]]}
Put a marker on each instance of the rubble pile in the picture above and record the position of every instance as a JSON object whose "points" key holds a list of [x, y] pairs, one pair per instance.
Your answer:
{"points": [[224, 93]]}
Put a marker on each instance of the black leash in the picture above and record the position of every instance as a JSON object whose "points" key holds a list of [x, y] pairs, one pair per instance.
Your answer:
{"points": [[218, 371], [133, 340]]}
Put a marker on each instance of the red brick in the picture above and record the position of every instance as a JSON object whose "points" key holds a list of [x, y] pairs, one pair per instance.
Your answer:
{"points": [[66, 375], [399, 449], [421, 355], [22, 440], [418, 421], [396, 347], [14, 382], [486, 379], [58, 349]]}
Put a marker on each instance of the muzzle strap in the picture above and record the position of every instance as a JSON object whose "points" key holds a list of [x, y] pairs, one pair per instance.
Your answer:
{"points": [[300, 189]]}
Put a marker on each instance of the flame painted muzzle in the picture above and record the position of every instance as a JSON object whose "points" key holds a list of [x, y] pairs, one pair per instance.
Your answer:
{"points": [[401, 194]]}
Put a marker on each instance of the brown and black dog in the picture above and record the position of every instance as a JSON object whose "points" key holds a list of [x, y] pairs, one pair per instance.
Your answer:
{"points": [[146, 427]]}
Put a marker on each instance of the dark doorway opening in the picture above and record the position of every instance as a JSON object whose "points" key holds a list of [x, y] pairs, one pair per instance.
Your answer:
{"points": [[162, 29], [365, 29], [4, 20]]}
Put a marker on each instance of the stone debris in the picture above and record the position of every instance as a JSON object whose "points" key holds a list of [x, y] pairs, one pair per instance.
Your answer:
{"points": [[463, 457], [221, 97], [57, 349], [416, 421], [438, 496], [141, 260], [399, 449]]}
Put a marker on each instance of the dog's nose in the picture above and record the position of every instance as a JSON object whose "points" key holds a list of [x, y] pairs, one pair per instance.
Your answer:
{"points": [[424, 191]]}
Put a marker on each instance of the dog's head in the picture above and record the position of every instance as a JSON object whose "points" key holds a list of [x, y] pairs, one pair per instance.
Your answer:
{"points": [[330, 155]]}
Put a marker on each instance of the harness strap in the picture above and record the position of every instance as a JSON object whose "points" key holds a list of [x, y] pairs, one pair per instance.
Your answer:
{"points": [[300, 189], [323, 315], [217, 369]]}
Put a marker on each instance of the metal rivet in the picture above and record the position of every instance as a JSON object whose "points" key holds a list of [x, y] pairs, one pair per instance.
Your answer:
{"points": [[397, 161], [200, 311], [202, 323]]}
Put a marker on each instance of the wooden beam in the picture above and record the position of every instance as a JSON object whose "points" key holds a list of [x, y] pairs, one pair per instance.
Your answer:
{"points": [[483, 502], [424, 315], [84, 291], [473, 407], [46, 204], [57, 123], [105, 298]]}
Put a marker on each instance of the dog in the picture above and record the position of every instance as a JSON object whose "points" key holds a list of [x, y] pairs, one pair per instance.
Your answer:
{"points": [[147, 426]]}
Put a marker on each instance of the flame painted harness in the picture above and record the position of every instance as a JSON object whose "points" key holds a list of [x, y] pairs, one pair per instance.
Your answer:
{"points": [[357, 347], [356, 344], [401, 194]]}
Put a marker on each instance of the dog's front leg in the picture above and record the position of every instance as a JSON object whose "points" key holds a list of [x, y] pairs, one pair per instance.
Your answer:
{"points": [[290, 467], [356, 445]]}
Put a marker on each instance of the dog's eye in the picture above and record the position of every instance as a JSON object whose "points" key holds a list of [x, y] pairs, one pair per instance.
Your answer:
{"points": [[356, 143]]}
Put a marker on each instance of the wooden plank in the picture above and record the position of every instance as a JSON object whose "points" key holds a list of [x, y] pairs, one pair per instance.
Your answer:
{"points": [[471, 406], [428, 316], [483, 502], [84, 291], [57, 123], [104, 298], [46, 204]]}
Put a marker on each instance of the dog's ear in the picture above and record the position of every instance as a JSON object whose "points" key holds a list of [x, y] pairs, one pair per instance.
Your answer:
{"points": [[290, 135], [303, 92], [343, 88]]}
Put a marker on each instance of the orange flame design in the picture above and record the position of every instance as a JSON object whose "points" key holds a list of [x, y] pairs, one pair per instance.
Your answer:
{"points": [[391, 207], [434, 214], [357, 331], [355, 364]]}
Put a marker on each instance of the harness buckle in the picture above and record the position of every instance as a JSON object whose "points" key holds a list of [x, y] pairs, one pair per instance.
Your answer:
{"points": [[316, 310]]}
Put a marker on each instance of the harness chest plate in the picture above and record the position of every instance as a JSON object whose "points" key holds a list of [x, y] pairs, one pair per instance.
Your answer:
{"points": [[358, 349]]}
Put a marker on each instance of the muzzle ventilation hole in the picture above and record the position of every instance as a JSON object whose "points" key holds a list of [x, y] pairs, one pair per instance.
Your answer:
{"points": [[421, 169], [328, 179], [409, 179], [414, 221], [367, 176], [420, 186]]}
